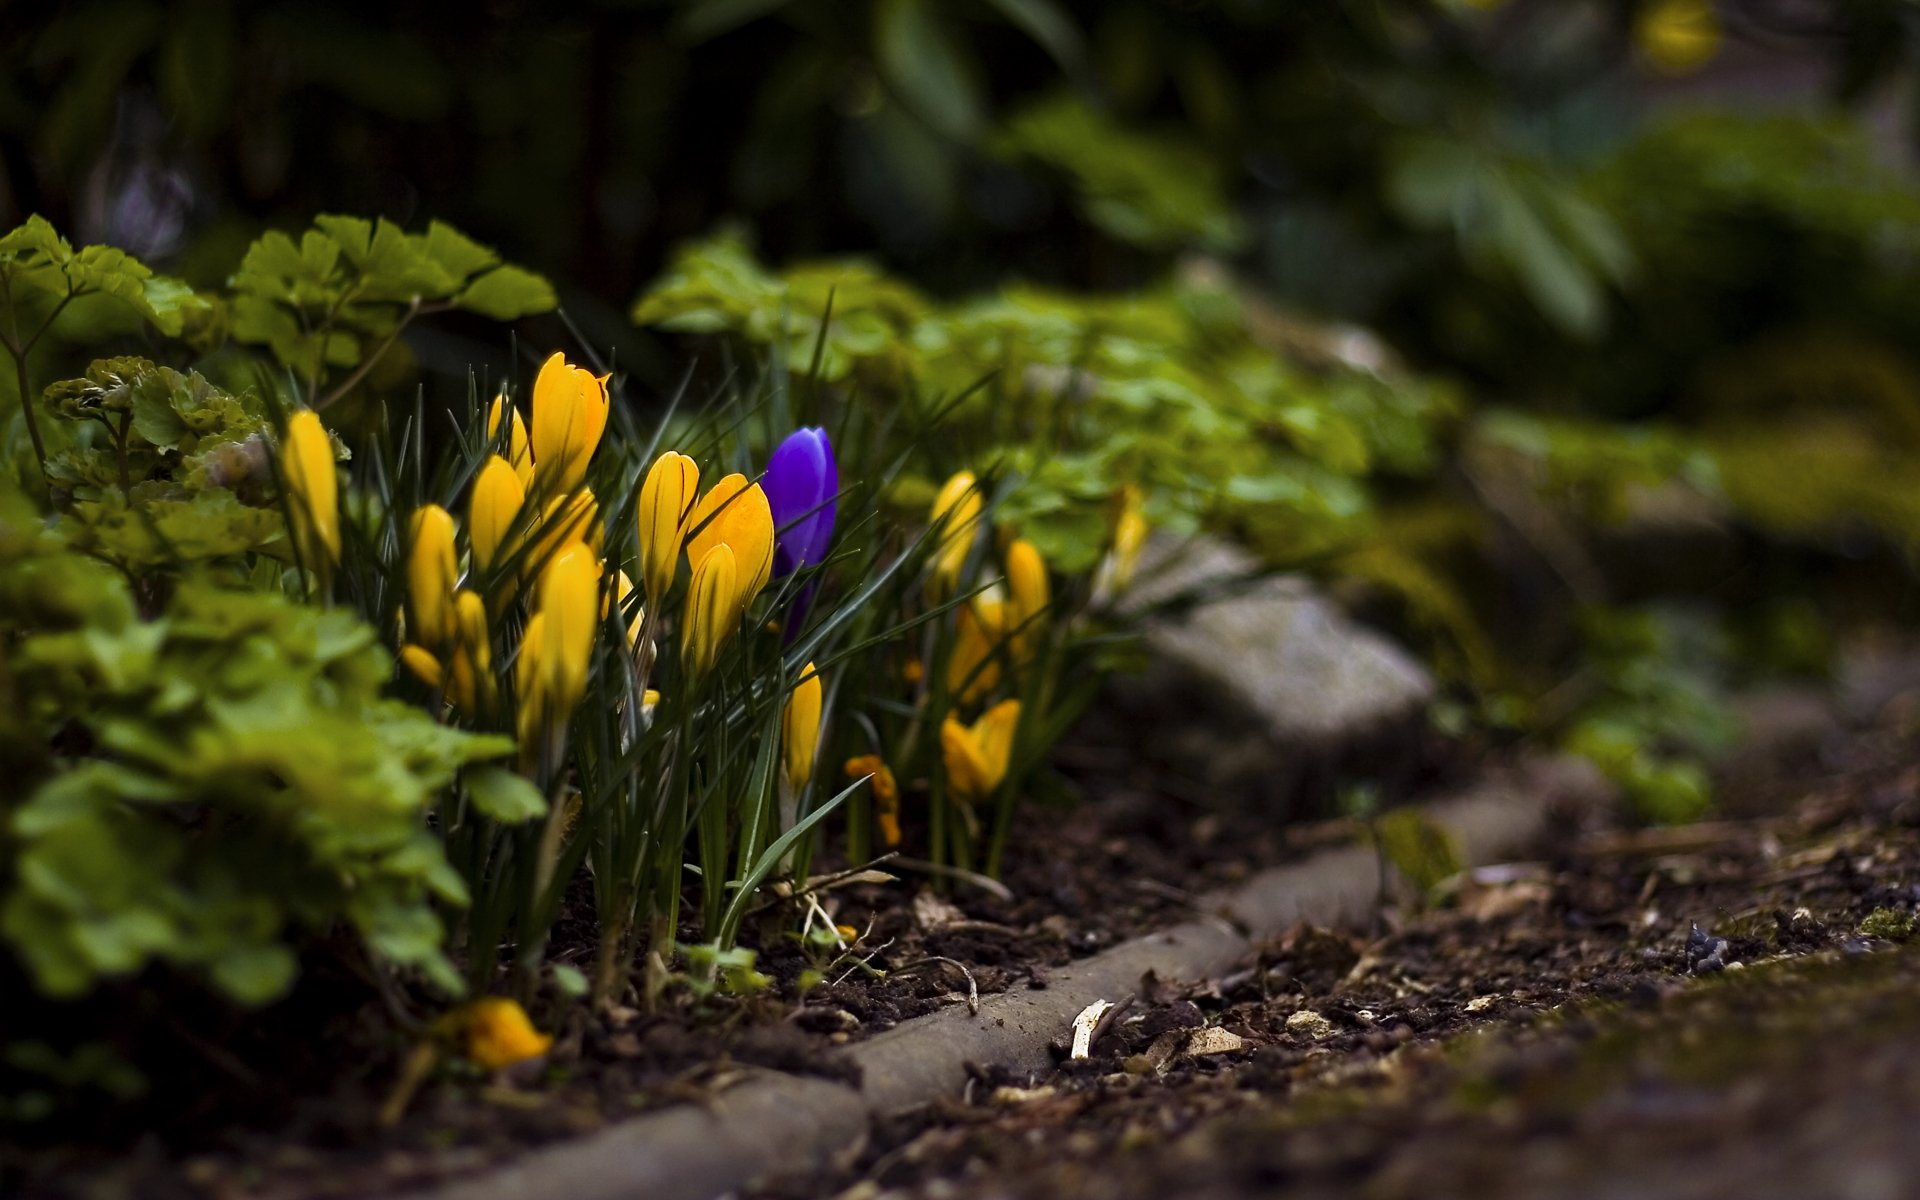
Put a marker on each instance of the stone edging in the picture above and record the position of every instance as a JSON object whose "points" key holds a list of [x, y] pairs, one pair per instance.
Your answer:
{"points": [[772, 1123]]}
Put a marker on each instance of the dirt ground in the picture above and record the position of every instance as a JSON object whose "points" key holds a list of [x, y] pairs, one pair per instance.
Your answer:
{"points": [[1543, 1027], [1721, 1009]]}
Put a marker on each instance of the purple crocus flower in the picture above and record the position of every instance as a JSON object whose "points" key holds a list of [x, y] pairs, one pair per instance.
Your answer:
{"points": [[801, 483]]}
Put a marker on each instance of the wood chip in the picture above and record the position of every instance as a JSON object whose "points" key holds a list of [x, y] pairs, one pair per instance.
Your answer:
{"points": [[1083, 1026], [1215, 1040]]}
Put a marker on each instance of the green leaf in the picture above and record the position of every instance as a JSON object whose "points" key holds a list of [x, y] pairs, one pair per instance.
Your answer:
{"points": [[507, 293], [501, 795], [255, 973]]}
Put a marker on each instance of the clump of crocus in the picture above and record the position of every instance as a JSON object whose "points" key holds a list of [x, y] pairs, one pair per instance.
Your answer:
{"points": [[886, 793], [801, 483], [569, 416], [976, 756], [499, 1034], [313, 492], [953, 518]]}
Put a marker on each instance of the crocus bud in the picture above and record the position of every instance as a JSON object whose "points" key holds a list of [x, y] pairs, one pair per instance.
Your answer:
{"points": [[711, 611], [432, 573], [801, 483], [569, 598], [569, 415], [471, 668], [1028, 595], [497, 497], [666, 502], [734, 513], [519, 450], [313, 491], [972, 670], [800, 729], [953, 518]]}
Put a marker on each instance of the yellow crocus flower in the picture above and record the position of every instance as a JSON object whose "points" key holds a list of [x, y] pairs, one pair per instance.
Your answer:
{"points": [[979, 628], [471, 669], [976, 756], [1028, 595], [497, 497], [519, 450], [569, 415], [622, 588], [711, 611], [800, 728], [313, 491], [432, 573], [570, 518], [530, 718], [424, 665], [954, 516], [666, 504], [734, 513], [1678, 36], [499, 1034], [569, 598]]}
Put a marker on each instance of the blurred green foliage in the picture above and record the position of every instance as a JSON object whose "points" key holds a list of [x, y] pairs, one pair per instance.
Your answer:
{"points": [[128, 736], [1184, 388]]}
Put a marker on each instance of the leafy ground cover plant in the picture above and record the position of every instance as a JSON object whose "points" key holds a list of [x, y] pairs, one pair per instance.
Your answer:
{"points": [[411, 682]]}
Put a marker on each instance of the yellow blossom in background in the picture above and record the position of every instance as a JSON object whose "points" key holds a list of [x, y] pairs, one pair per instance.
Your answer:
{"points": [[666, 504], [470, 679], [498, 494], [1678, 37], [1028, 595], [499, 1034], [972, 671], [519, 449], [424, 665], [530, 718], [800, 729], [953, 518], [1116, 570], [432, 574], [569, 415], [976, 756], [886, 793], [313, 491], [735, 513]]}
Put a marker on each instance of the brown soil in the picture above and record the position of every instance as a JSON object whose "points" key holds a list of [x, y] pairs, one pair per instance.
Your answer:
{"points": [[1434, 1050], [286, 1102], [1554, 1028]]}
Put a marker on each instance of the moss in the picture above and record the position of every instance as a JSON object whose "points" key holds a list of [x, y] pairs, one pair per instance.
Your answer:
{"points": [[1888, 923]]}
